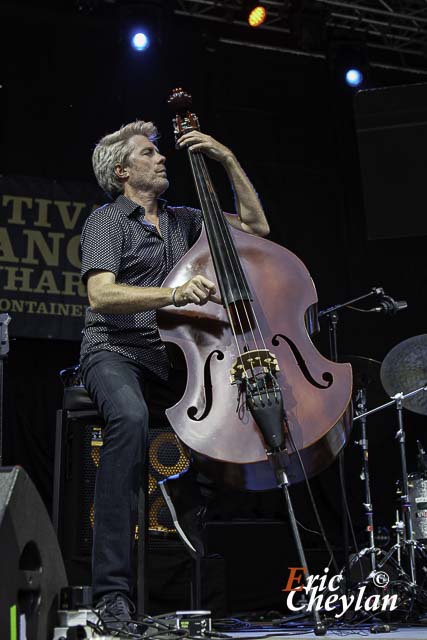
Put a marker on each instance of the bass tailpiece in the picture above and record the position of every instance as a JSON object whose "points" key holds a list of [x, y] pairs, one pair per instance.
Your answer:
{"points": [[255, 372]]}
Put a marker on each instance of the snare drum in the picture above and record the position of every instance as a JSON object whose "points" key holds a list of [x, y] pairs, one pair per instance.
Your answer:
{"points": [[418, 500]]}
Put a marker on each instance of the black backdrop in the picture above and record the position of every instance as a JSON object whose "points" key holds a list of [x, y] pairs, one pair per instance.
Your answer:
{"points": [[67, 80]]}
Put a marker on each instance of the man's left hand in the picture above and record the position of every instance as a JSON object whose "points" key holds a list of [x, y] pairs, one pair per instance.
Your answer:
{"points": [[198, 141]]}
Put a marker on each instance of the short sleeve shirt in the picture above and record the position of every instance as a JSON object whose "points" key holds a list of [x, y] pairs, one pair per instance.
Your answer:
{"points": [[117, 238]]}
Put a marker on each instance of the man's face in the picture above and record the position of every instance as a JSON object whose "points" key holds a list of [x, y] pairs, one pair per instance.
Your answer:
{"points": [[146, 167]]}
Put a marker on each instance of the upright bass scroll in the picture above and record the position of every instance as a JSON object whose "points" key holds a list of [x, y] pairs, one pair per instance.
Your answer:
{"points": [[253, 353]]}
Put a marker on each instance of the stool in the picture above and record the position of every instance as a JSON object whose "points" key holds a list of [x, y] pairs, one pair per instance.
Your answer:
{"points": [[78, 409]]}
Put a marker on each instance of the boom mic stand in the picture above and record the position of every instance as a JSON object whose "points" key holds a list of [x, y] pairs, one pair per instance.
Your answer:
{"points": [[332, 315]]}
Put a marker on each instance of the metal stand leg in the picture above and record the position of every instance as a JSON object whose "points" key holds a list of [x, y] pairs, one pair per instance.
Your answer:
{"points": [[196, 584], [333, 349], [283, 483], [361, 407], [142, 548], [406, 505]]}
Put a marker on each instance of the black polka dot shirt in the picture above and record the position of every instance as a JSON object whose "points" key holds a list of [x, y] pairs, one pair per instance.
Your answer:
{"points": [[117, 238]]}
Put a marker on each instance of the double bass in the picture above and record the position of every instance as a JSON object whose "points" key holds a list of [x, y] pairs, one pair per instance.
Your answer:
{"points": [[257, 389]]}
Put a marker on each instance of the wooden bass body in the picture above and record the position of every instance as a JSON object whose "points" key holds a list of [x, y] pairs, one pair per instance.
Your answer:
{"points": [[211, 419]]}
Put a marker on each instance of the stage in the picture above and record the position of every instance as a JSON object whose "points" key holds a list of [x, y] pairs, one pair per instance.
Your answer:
{"points": [[223, 222]]}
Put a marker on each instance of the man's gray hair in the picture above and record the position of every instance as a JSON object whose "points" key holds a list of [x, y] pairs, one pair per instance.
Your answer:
{"points": [[115, 148]]}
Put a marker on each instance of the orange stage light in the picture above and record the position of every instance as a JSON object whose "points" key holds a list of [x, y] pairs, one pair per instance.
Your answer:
{"points": [[257, 16]]}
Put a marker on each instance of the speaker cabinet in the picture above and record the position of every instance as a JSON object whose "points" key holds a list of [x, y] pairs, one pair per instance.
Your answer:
{"points": [[78, 447], [78, 442], [167, 458], [392, 134], [32, 571]]}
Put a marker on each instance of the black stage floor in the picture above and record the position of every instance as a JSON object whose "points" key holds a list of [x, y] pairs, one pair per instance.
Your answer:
{"points": [[355, 633], [408, 633], [403, 633]]}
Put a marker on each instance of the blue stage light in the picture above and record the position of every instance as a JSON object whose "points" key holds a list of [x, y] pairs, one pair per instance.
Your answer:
{"points": [[140, 41], [354, 77]]}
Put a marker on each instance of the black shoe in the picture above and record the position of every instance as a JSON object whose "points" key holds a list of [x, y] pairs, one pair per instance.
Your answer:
{"points": [[115, 613], [187, 508]]}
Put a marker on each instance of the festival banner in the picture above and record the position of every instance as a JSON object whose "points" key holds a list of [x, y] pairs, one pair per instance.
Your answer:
{"points": [[40, 226]]}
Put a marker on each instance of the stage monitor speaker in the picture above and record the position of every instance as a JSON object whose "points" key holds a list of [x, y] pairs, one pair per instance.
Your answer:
{"points": [[32, 571], [392, 134]]}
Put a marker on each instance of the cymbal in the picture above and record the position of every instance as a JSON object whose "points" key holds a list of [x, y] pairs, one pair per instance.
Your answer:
{"points": [[404, 369], [366, 375]]}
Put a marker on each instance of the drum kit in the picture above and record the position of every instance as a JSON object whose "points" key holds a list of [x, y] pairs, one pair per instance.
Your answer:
{"points": [[403, 377]]}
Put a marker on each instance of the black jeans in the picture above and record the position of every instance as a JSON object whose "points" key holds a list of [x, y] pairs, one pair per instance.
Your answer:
{"points": [[117, 385], [121, 389]]}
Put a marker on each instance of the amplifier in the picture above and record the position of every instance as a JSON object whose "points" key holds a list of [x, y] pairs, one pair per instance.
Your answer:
{"points": [[77, 454]]}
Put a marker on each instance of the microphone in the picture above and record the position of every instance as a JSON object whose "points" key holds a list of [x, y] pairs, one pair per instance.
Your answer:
{"points": [[389, 306]]}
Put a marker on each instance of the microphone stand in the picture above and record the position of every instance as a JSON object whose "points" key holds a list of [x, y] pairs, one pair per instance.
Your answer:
{"points": [[375, 291], [332, 315], [4, 350]]}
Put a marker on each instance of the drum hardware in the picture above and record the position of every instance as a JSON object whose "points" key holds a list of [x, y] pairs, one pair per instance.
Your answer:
{"points": [[382, 536], [408, 537], [418, 499], [403, 376], [367, 505], [399, 528], [367, 375], [405, 368], [367, 385]]}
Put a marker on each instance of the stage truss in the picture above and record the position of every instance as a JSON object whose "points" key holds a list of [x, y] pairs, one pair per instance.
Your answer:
{"points": [[394, 31]]}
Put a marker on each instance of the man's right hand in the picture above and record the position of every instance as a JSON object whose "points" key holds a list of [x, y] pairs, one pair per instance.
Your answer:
{"points": [[199, 290]]}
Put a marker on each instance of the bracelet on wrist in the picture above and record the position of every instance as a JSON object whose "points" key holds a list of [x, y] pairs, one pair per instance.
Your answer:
{"points": [[173, 297]]}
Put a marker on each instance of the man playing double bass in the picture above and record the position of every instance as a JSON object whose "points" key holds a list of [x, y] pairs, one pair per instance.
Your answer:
{"points": [[128, 248]]}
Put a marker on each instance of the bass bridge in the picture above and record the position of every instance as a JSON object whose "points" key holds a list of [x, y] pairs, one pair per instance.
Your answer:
{"points": [[256, 372], [250, 364]]}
